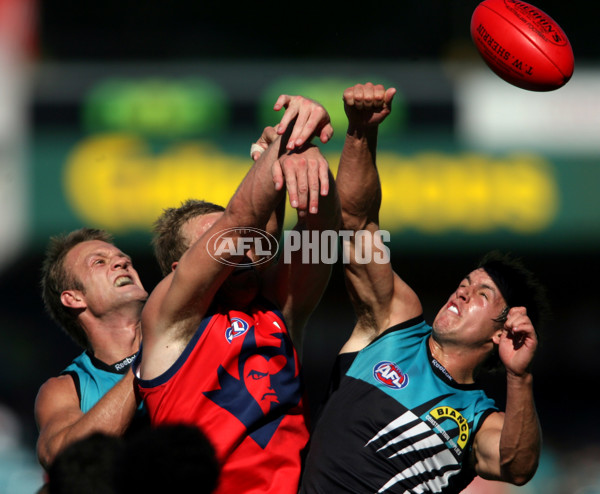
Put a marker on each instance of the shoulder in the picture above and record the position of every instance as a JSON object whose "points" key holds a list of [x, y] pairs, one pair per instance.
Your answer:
{"points": [[493, 422], [56, 390], [362, 337], [59, 384]]}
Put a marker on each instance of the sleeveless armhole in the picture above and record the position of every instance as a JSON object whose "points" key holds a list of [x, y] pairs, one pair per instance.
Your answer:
{"points": [[400, 326], [75, 378], [341, 365]]}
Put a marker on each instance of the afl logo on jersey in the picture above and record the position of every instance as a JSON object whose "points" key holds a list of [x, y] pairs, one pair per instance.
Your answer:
{"points": [[238, 328], [389, 374]]}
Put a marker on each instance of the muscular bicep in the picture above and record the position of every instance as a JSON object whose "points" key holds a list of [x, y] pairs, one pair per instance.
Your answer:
{"points": [[179, 302], [486, 447], [380, 297], [56, 409]]}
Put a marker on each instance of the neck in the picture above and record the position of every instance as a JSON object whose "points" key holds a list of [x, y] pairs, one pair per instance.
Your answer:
{"points": [[460, 362], [114, 338]]}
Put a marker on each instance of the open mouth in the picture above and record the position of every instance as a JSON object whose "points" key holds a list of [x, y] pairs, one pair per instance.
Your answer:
{"points": [[452, 308], [123, 281]]}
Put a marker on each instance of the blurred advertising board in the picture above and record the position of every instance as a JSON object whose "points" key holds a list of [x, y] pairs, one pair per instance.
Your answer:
{"points": [[114, 145]]}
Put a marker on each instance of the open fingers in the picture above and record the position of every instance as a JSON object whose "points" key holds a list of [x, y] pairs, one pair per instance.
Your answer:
{"points": [[311, 120]]}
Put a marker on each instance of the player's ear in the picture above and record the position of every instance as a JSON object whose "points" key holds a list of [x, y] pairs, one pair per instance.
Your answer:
{"points": [[73, 299], [497, 335], [174, 265]]}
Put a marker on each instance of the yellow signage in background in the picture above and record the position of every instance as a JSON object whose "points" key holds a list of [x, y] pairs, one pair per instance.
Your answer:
{"points": [[116, 182], [472, 193]]}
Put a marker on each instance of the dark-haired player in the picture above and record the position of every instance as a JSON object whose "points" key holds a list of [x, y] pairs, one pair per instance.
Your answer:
{"points": [[405, 413], [92, 291]]}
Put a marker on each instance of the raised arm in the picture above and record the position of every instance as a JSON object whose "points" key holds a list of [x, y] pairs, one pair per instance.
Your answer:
{"points": [[180, 301], [508, 445], [298, 280], [259, 194], [379, 296], [302, 120], [297, 286], [60, 420], [276, 221]]}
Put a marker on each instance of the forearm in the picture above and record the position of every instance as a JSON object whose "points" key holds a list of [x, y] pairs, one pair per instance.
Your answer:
{"points": [[276, 220], [114, 412], [328, 216], [379, 297], [520, 441], [257, 202], [256, 198], [111, 415], [357, 178]]}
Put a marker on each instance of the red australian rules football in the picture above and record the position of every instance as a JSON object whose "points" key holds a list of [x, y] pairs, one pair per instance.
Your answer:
{"points": [[522, 44]]}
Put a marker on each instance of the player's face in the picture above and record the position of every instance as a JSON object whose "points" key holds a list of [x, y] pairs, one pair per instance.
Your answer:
{"points": [[106, 274], [468, 316], [257, 376]]}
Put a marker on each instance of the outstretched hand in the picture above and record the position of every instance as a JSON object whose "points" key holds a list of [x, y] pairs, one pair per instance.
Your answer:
{"points": [[367, 105], [305, 174], [312, 120], [518, 342]]}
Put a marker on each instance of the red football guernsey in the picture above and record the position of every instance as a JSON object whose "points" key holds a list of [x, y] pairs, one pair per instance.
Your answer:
{"points": [[239, 380]]}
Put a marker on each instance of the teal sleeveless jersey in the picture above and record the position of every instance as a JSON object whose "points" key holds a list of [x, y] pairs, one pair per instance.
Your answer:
{"points": [[396, 421], [93, 378]]}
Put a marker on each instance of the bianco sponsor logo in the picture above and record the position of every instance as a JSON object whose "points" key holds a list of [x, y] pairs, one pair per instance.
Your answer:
{"points": [[313, 247]]}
